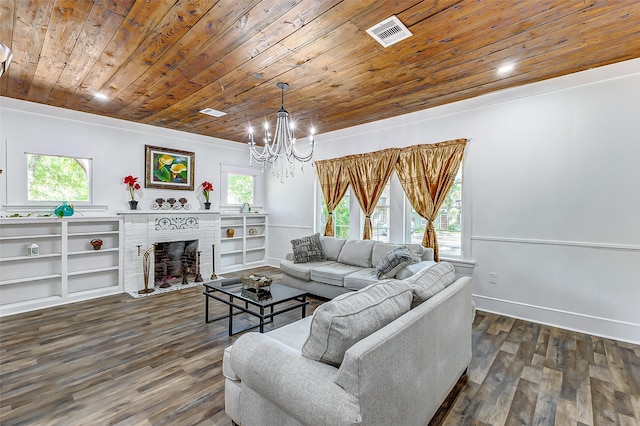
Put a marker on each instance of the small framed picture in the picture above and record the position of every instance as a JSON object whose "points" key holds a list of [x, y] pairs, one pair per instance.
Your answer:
{"points": [[167, 168]]}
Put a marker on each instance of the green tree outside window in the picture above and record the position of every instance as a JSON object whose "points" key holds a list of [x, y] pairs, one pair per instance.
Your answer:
{"points": [[239, 189], [56, 178]]}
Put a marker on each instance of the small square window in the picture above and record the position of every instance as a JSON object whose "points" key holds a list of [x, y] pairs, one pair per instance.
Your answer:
{"points": [[58, 178]]}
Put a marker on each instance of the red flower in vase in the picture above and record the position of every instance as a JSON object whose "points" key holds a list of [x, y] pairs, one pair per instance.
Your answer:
{"points": [[132, 185], [207, 187]]}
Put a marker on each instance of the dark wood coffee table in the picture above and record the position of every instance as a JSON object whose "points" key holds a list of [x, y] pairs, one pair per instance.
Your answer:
{"points": [[253, 302]]}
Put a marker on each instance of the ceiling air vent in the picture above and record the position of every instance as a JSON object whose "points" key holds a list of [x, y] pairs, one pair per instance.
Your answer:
{"points": [[213, 112], [390, 31]]}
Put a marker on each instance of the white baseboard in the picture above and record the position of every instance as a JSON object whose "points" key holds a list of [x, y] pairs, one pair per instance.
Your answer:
{"points": [[272, 261], [588, 324]]}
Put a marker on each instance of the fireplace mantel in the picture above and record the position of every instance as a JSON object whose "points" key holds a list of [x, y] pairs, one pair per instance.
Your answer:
{"points": [[167, 211], [146, 227]]}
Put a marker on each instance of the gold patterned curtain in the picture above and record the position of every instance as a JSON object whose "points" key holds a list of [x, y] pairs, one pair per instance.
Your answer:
{"points": [[334, 182], [427, 173], [368, 174]]}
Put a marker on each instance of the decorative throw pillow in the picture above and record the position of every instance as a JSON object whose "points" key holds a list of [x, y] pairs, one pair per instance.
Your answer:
{"points": [[429, 281], [342, 322], [393, 261], [307, 249]]}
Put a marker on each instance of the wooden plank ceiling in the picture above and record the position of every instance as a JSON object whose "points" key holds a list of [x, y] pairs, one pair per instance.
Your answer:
{"points": [[159, 62]]}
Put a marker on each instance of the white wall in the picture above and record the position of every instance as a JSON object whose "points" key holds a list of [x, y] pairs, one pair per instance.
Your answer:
{"points": [[551, 198], [117, 148]]}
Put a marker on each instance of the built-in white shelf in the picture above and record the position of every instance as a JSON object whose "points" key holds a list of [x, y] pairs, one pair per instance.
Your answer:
{"points": [[29, 237], [246, 248], [93, 234], [17, 258], [67, 268], [29, 279], [77, 253], [92, 271]]}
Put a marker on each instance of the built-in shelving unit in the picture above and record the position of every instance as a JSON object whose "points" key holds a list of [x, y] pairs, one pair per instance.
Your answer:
{"points": [[248, 246], [67, 268]]}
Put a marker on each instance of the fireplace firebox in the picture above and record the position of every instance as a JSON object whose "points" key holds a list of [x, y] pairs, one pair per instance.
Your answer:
{"points": [[175, 262]]}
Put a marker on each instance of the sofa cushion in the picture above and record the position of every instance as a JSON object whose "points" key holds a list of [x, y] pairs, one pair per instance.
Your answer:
{"points": [[332, 273], [340, 323], [293, 334], [417, 250], [307, 249], [393, 261], [357, 253], [361, 278], [301, 270], [332, 246], [413, 268], [380, 250], [430, 281]]}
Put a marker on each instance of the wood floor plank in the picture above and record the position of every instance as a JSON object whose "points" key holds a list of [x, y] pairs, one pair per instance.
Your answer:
{"points": [[154, 361], [524, 402]]}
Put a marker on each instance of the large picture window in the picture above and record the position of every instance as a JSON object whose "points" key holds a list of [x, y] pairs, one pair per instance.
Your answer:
{"points": [[381, 215], [58, 178], [448, 223], [340, 216]]}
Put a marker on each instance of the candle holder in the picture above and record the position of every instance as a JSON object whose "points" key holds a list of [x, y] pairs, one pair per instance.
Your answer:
{"points": [[199, 278], [213, 262], [146, 263]]}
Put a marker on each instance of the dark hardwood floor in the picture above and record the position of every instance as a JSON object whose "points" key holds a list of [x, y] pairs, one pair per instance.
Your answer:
{"points": [[153, 361]]}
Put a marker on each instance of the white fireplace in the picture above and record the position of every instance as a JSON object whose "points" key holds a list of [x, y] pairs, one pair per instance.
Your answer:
{"points": [[146, 228]]}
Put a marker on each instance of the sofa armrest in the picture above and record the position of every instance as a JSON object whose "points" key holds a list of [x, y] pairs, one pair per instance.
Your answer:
{"points": [[303, 388]]}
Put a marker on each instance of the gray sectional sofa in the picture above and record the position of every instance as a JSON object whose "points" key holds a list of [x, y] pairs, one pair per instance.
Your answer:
{"points": [[364, 358], [349, 265]]}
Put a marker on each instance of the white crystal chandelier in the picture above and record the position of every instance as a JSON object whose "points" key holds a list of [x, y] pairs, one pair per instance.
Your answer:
{"points": [[5, 58], [280, 153]]}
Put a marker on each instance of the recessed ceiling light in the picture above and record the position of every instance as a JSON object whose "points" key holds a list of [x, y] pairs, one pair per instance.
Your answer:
{"points": [[213, 112], [101, 96], [506, 69]]}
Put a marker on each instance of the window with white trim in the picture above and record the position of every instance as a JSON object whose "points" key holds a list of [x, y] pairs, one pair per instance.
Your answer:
{"points": [[239, 185], [448, 223], [58, 178], [381, 215], [340, 216]]}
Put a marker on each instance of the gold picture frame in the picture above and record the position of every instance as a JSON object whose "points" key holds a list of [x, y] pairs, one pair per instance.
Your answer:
{"points": [[167, 168]]}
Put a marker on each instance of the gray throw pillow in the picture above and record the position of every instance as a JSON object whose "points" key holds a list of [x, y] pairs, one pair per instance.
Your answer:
{"points": [[342, 322], [393, 261], [307, 249]]}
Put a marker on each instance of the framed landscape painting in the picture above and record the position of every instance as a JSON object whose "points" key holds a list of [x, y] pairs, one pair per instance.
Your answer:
{"points": [[167, 168]]}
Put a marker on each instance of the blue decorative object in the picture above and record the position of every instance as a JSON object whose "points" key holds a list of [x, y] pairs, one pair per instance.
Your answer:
{"points": [[64, 209]]}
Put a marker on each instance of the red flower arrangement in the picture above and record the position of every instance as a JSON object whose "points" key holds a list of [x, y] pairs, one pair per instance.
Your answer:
{"points": [[207, 187], [132, 185]]}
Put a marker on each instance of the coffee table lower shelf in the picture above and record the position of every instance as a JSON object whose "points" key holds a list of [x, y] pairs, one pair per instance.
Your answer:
{"points": [[232, 294]]}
